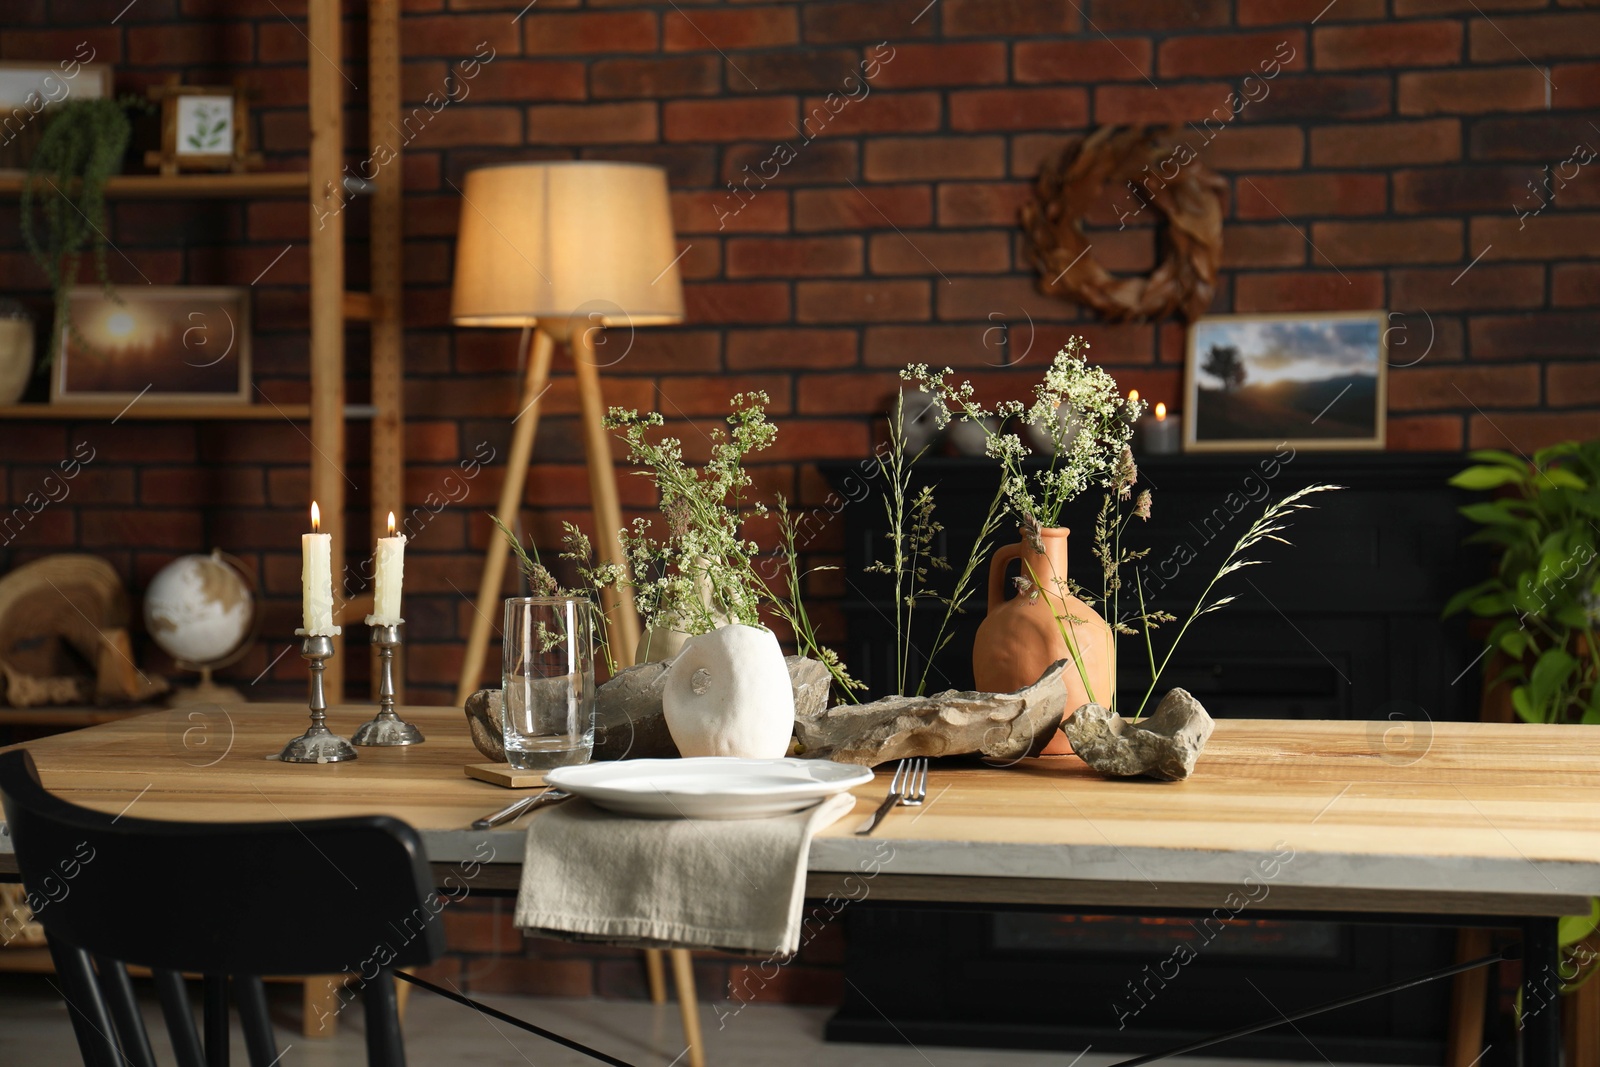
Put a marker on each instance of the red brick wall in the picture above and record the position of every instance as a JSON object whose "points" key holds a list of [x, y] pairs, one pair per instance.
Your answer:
{"points": [[1381, 167], [888, 237]]}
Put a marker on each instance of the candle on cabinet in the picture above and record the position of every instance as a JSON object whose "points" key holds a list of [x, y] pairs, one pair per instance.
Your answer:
{"points": [[316, 579], [391, 562], [1160, 434]]}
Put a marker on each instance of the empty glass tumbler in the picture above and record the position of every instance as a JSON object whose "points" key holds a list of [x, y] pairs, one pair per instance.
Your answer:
{"points": [[547, 677]]}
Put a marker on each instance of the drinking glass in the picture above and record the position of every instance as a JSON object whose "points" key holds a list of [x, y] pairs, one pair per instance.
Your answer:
{"points": [[547, 678]]}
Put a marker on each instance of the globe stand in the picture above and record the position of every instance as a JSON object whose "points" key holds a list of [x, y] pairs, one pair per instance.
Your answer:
{"points": [[206, 692], [318, 744], [386, 728]]}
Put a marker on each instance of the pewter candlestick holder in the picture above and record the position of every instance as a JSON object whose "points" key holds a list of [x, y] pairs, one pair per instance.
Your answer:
{"points": [[318, 744], [386, 728]]}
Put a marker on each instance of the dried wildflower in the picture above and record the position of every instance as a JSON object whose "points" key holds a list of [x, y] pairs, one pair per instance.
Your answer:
{"points": [[1090, 444], [1141, 506]]}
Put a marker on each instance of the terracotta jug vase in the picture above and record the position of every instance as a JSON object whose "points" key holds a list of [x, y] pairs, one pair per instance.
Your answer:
{"points": [[1020, 638]]}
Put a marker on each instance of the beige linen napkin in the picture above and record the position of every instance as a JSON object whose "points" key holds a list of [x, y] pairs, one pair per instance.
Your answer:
{"points": [[731, 884]]}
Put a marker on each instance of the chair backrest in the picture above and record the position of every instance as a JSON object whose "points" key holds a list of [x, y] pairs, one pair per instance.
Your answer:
{"points": [[325, 896]]}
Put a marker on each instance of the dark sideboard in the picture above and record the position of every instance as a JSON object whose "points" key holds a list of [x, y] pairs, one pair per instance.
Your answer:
{"points": [[1345, 624]]}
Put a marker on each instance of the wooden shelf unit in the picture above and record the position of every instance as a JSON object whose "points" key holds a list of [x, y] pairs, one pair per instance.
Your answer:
{"points": [[187, 186], [328, 192], [325, 188]]}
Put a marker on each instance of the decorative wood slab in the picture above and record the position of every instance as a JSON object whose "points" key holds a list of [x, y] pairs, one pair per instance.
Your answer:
{"points": [[504, 775]]}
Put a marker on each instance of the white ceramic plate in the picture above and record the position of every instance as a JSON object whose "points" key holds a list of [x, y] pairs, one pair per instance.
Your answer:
{"points": [[708, 787]]}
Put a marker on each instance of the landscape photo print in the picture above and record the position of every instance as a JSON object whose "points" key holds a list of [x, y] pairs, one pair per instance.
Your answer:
{"points": [[161, 342], [1313, 381]]}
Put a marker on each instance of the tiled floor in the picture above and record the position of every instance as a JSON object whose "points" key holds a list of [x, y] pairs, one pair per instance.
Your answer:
{"points": [[35, 1032]]}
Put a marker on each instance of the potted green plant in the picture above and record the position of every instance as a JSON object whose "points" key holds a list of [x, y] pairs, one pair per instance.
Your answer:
{"points": [[63, 200], [1544, 598]]}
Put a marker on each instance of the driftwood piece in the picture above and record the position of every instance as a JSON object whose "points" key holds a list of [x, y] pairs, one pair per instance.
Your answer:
{"points": [[628, 720], [952, 723], [64, 635], [1166, 745]]}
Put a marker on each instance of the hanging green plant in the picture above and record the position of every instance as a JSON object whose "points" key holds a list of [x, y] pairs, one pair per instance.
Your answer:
{"points": [[82, 146]]}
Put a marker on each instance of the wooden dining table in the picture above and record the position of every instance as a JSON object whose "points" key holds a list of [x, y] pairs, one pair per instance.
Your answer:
{"points": [[1469, 823]]}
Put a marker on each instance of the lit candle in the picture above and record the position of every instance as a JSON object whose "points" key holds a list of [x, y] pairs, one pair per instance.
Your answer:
{"points": [[1159, 434], [316, 579], [391, 562]]}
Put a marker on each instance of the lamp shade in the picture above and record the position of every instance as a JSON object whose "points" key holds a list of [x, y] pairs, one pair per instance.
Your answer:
{"points": [[566, 240]]}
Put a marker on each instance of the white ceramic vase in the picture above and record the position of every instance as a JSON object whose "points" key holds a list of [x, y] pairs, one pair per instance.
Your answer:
{"points": [[728, 694], [16, 356]]}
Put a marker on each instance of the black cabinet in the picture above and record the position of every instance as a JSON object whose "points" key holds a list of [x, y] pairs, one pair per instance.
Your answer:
{"points": [[1343, 624]]}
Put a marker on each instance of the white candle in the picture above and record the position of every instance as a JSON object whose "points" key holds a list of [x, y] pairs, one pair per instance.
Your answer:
{"points": [[391, 565], [316, 579], [1160, 435]]}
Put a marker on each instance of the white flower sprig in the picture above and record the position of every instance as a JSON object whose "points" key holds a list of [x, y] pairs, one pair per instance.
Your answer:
{"points": [[699, 572], [1080, 407]]}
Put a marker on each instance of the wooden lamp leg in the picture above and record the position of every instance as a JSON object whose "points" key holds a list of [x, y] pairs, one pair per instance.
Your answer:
{"points": [[516, 478], [625, 629], [683, 978], [1464, 1034], [603, 488], [655, 976]]}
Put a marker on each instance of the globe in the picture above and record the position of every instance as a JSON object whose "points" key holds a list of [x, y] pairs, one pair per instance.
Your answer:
{"points": [[199, 610]]}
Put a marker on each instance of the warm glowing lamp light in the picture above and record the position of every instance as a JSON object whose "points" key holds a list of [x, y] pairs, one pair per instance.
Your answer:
{"points": [[1133, 396], [120, 324]]}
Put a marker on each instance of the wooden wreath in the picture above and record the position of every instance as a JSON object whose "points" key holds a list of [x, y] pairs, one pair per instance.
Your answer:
{"points": [[1142, 166]]}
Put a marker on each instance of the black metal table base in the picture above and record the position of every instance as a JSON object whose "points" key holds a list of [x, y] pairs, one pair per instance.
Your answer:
{"points": [[1541, 994]]}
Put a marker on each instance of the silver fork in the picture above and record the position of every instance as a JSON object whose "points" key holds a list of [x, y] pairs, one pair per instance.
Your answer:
{"points": [[916, 786], [903, 789]]}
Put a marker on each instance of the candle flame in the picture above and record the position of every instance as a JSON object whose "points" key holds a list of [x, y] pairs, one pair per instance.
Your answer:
{"points": [[316, 517], [391, 524], [1161, 411], [1133, 396]]}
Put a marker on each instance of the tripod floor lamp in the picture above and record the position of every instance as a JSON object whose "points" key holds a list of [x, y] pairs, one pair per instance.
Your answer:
{"points": [[566, 250]]}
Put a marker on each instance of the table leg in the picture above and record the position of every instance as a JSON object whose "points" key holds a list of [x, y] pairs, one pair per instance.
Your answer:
{"points": [[1541, 994]]}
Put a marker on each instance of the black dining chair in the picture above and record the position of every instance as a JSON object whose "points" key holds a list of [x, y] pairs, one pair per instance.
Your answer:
{"points": [[232, 902]]}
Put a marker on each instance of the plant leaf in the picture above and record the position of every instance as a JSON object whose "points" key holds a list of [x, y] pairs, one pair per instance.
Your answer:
{"points": [[1486, 478], [1495, 455], [1562, 478], [1491, 512], [1549, 674], [1467, 596], [1570, 929], [1519, 700]]}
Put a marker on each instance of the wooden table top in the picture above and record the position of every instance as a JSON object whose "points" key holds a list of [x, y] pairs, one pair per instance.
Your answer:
{"points": [[1466, 818]]}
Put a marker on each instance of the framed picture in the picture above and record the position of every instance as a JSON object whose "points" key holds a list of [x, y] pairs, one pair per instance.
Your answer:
{"points": [[203, 127], [170, 343], [1258, 381], [28, 90]]}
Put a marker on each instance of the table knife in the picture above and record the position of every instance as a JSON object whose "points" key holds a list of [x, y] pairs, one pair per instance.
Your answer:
{"points": [[516, 808], [883, 809]]}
